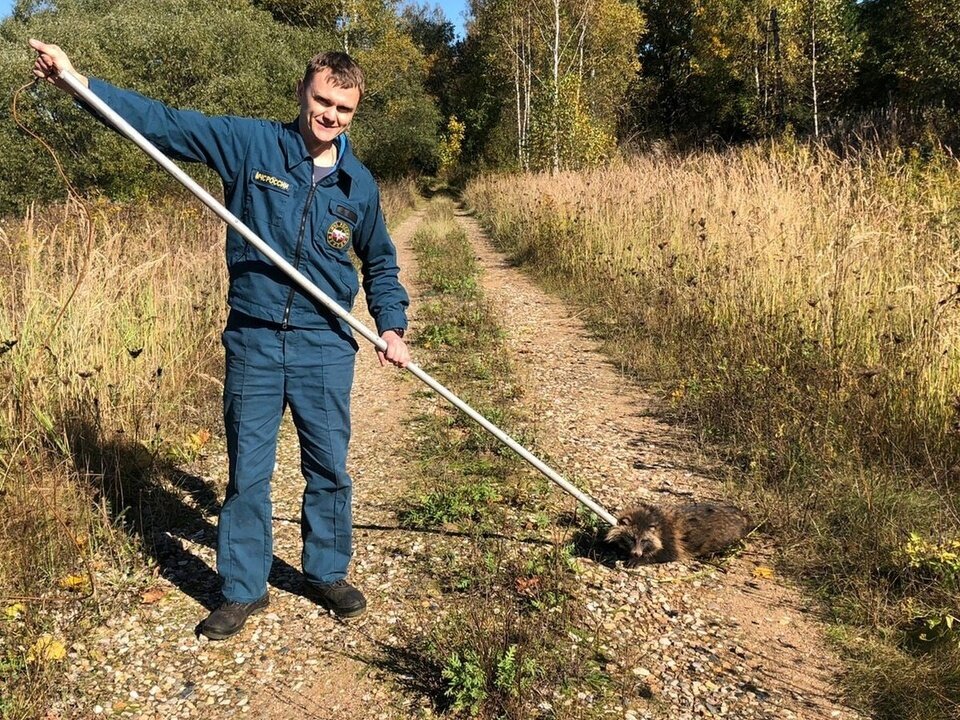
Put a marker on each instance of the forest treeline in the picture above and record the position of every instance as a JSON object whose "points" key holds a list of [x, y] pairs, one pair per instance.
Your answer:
{"points": [[534, 84]]}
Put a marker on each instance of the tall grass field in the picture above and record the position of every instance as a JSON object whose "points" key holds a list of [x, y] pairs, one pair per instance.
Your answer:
{"points": [[110, 370], [803, 310]]}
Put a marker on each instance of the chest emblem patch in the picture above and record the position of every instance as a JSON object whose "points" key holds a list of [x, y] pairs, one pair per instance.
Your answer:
{"points": [[338, 235]]}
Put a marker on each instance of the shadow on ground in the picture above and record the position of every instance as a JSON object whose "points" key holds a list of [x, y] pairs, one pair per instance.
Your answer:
{"points": [[160, 506], [432, 190], [587, 539], [414, 668]]}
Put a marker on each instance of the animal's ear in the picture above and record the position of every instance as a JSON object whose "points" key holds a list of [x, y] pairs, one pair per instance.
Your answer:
{"points": [[625, 520]]}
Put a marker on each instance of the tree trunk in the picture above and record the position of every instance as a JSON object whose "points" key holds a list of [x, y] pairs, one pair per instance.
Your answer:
{"points": [[556, 86], [777, 68], [346, 21], [813, 66], [526, 33], [766, 71], [516, 39]]}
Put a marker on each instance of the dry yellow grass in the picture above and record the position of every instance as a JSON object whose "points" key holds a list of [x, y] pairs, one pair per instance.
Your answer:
{"points": [[764, 258], [151, 298], [134, 354], [805, 310], [132, 359]]}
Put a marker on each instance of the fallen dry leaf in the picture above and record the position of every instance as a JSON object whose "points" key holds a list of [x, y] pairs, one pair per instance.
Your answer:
{"points": [[199, 440], [527, 586], [77, 583], [152, 595], [47, 649], [762, 571]]}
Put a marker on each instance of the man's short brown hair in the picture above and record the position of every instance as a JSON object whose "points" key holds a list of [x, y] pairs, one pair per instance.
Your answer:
{"points": [[344, 70]]}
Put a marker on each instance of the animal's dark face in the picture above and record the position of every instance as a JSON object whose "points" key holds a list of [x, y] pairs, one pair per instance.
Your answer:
{"points": [[639, 535]]}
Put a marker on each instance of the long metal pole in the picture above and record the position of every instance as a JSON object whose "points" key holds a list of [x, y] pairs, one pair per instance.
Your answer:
{"points": [[211, 202]]}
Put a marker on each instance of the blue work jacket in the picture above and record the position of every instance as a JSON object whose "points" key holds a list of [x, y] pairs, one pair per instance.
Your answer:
{"points": [[268, 184]]}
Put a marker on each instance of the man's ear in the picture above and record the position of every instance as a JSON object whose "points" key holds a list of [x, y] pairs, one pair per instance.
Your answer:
{"points": [[299, 90]]}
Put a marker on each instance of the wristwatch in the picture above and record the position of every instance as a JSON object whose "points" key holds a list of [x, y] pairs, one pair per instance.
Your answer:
{"points": [[398, 331]]}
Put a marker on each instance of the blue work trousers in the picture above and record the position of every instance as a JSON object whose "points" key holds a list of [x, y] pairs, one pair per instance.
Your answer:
{"points": [[267, 369]]}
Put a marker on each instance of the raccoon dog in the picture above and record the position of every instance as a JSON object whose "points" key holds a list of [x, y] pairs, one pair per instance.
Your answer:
{"points": [[651, 534]]}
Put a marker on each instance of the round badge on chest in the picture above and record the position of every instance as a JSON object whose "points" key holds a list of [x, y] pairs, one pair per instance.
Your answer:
{"points": [[338, 235]]}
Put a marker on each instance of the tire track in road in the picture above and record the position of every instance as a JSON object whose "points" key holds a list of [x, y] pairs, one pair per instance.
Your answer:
{"points": [[342, 682]]}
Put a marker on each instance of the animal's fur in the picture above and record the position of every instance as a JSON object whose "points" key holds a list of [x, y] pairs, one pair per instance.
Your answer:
{"points": [[651, 534]]}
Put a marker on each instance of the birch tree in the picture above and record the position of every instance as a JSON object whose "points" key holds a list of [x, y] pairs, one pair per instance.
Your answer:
{"points": [[566, 60]]}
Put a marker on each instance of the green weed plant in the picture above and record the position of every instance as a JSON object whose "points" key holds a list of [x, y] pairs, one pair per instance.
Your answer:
{"points": [[511, 638]]}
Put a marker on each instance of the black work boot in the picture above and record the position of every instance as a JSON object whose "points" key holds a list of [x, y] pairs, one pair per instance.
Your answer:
{"points": [[227, 619], [341, 597]]}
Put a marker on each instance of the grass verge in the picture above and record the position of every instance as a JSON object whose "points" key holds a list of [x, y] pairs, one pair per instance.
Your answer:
{"points": [[467, 475]]}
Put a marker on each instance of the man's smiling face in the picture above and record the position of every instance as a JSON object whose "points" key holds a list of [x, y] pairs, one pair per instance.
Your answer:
{"points": [[326, 110]]}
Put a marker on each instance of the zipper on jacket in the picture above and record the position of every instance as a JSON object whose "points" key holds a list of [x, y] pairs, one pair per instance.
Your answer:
{"points": [[296, 256]]}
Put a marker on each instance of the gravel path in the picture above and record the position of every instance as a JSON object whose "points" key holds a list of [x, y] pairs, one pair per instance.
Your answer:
{"points": [[698, 641]]}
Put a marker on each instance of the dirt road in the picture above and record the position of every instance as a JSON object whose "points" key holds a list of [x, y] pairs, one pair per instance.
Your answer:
{"points": [[699, 641]]}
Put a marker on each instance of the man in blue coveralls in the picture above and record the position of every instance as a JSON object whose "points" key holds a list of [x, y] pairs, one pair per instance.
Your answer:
{"points": [[301, 189]]}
